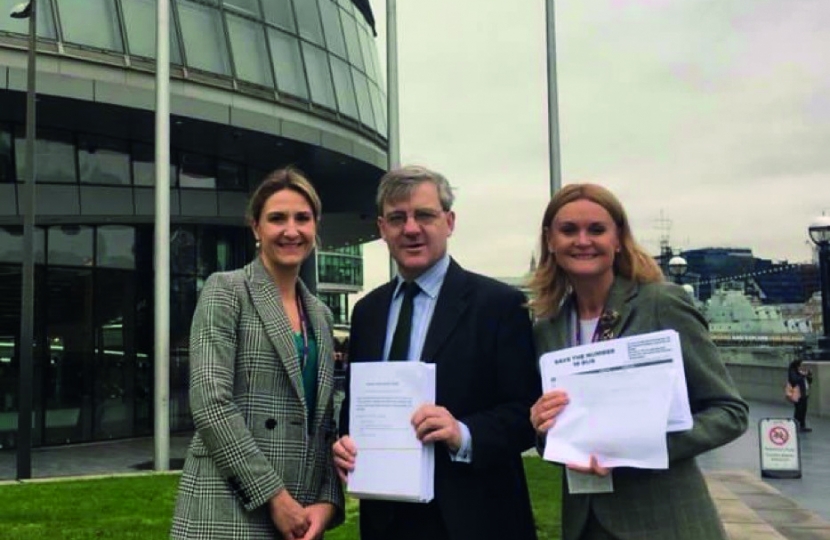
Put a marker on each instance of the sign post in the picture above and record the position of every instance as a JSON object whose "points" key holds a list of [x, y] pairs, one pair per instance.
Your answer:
{"points": [[780, 448]]}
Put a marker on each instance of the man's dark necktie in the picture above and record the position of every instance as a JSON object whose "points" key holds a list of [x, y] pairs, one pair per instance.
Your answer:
{"points": [[403, 331]]}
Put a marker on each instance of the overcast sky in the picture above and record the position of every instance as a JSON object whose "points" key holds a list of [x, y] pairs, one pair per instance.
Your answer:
{"points": [[713, 115]]}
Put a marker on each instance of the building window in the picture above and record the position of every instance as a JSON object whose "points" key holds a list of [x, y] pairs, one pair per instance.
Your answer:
{"points": [[115, 247], [140, 17], [340, 269], [338, 303], [204, 38], [331, 27], [70, 245], [183, 251], [364, 99], [92, 22], [45, 21], [366, 46], [231, 176], [69, 347], [248, 7], [280, 13], [319, 76], [11, 245], [308, 19], [103, 160], [250, 52], [379, 106], [288, 65], [54, 154], [144, 165], [356, 250], [352, 41], [344, 87], [6, 171], [197, 171]]}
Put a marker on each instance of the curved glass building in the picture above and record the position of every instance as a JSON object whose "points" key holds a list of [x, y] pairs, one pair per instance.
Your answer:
{"points": [[255, 84]]}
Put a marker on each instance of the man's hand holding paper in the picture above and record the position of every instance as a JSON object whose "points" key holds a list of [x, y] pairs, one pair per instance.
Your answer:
{"points": [[385, 457]]}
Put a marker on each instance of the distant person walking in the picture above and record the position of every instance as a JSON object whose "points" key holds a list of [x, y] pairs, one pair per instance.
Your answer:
{"points": [[800, 377]]}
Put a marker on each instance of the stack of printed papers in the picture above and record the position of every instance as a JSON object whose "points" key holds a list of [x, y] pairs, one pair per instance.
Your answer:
{"points": [[391, 463], [625, 394]]}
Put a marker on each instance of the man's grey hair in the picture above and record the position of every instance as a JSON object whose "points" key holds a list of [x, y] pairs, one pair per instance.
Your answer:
{"points": [[398, 184]]}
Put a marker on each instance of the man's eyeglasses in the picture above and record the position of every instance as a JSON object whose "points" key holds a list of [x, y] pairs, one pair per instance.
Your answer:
{"points": [[422, 216]]}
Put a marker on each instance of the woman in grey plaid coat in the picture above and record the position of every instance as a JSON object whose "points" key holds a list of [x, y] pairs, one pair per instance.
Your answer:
{"points": [[261, 381]]}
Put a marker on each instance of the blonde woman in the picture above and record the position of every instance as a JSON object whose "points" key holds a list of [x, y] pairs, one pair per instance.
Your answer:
{"points": [[595, 283]]}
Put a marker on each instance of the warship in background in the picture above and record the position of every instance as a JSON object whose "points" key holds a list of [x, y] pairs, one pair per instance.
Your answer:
{"points": [[737, 318]]}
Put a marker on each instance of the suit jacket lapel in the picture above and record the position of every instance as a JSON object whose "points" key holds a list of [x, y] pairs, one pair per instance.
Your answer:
{"points": [[452, 302], [376, 325], [617, 313], [560, 332], [322, 333], [266, 299]]}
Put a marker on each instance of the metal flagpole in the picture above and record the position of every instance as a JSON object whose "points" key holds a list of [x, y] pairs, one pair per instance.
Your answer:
{"points": [[161, 420], [393, 125], [393, 136], [27, 301], [554, 156]]}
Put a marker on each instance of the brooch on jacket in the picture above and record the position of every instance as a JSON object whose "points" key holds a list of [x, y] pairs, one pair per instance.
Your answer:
{"points": [[607, 321]]}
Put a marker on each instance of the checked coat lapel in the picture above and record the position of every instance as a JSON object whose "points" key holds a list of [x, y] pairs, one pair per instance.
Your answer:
{"points": [[266, 300], [315, 311]]}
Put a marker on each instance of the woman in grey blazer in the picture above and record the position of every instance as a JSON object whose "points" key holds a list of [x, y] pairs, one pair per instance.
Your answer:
{"points": [[261, 381], [593, 283]]}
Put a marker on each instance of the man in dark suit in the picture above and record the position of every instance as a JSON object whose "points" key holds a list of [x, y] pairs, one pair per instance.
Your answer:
{"points": [[478, 333]]}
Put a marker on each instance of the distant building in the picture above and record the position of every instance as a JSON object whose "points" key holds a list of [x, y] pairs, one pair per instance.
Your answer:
{"points": [[771, 282]]}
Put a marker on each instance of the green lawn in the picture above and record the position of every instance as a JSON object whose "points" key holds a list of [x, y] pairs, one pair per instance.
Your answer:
{"points": [[140, 507]]}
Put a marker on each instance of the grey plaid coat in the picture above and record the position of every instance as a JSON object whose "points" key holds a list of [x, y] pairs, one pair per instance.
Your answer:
{"points": [[246, 394]]}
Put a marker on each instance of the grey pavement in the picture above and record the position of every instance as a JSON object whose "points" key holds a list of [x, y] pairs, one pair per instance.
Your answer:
{"points": [[101, 458], [752, 508]]}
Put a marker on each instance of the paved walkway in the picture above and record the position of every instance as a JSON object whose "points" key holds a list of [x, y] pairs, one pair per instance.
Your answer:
{"points": [[771, 509], [752, 508], [113, 457]]}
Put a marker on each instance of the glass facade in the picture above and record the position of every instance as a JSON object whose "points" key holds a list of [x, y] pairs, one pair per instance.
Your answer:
{"points": [[315, 52], [337, 267], [94, 322], [94, 325], [66, 157], [339, 274], [93, 343]]}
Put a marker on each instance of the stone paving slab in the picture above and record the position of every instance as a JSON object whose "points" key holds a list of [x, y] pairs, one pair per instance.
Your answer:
{"points": [[751, 509]]}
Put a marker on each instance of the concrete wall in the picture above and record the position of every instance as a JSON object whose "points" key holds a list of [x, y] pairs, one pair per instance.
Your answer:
{"points": [[761, 372]]}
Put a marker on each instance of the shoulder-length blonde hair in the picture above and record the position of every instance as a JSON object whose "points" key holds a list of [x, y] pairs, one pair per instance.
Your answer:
{"points": [[549, 284]]}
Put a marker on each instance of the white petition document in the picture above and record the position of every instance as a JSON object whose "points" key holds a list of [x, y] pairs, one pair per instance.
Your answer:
{"points": [[654, 347], [619, 416], [618, 389], [391, 462]]}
